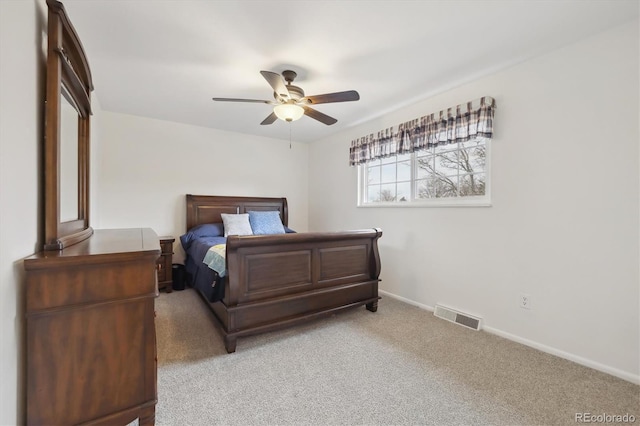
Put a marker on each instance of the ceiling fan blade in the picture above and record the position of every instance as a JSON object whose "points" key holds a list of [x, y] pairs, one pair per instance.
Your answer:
{"points": [[243, 100], [349, 95], [270, 119], [317, 115], [276, 82]]}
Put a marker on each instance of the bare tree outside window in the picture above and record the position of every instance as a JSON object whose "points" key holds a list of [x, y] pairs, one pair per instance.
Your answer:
{"points": [[387, 195], [452, 171], [389, 179], [448, 171]]}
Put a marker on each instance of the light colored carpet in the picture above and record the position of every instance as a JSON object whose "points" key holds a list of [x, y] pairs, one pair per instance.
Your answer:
{"points": [[398, 366]]}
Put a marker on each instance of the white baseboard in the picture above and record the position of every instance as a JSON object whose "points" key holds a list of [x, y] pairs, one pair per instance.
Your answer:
{"points": [[408, 301], [566, 355], [633, 378]]}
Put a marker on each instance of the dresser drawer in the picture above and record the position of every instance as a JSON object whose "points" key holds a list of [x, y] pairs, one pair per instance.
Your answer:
{"points": [[162, 268], [164, 263]]}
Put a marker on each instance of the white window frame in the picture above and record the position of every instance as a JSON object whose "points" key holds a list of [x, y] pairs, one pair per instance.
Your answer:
{"points": [[466, 201]]}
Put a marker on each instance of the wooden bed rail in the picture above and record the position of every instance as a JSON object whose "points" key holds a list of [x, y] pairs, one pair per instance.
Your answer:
{"points": [[267, 267], [236, 241]]}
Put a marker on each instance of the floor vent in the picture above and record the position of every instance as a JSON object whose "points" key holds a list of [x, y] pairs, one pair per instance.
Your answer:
{"points": [[457, 317]]}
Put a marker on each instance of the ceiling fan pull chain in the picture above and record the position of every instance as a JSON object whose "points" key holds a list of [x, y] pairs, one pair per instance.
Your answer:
{"points": [[289, 135]]}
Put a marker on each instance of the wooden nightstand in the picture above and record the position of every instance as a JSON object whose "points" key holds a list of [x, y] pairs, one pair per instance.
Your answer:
{"points": [[164, 264]]}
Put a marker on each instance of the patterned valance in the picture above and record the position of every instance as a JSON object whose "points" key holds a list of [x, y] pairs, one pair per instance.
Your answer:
{"points": [[456, 124]]}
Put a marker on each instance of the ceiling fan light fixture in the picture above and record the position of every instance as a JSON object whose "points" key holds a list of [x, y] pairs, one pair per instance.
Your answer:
{"points": [[288, 112], [291, 103]]}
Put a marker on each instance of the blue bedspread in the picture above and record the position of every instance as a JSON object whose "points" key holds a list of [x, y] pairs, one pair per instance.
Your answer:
{"points": [[201, 276]]}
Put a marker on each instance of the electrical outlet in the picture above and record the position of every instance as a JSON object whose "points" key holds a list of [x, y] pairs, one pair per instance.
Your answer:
{"points": [[525, 301]]}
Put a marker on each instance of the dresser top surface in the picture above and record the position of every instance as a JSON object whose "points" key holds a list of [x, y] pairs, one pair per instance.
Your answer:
{"points": [[106, 242]]}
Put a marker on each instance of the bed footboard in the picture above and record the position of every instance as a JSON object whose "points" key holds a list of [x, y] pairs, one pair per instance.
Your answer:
{"points": [[278, 280]]}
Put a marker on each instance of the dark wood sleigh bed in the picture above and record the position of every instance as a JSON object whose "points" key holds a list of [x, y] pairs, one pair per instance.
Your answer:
{"points": [[279, 280]]}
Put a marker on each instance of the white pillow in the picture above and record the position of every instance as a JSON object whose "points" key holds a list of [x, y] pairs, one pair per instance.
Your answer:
{"points": [[236, 224]]}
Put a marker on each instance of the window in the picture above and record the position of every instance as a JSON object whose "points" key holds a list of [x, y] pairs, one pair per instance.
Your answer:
{"points": [[451, 174], [434, 160]]}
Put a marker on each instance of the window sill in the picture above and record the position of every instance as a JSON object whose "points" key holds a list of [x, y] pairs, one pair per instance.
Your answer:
{"points": [[430, 203]]}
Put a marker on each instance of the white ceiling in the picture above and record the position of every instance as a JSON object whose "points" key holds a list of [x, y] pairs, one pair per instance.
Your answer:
{"points": [[166, 59]]}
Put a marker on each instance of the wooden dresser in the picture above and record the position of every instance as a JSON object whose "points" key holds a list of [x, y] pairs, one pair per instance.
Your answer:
{"points": [[91, 342]]}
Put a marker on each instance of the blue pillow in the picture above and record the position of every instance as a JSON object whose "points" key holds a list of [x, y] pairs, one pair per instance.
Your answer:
{"points": [[204, 230], [266, 223]]}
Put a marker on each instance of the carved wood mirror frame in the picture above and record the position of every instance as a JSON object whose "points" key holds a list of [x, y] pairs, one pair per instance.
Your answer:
{"points": [[68, 80]]}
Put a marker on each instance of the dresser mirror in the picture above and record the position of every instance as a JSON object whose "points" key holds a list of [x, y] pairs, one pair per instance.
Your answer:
{"points": [[68, 159], [67, 134]]}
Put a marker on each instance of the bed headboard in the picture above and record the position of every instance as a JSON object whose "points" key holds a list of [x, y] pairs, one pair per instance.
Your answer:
{"points": [[207, 208]]}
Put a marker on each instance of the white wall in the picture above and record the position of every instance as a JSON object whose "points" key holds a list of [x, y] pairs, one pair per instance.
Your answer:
{"points": [[563, 226], [572, 247], [146, 167], [21, 117], [23, 44]]}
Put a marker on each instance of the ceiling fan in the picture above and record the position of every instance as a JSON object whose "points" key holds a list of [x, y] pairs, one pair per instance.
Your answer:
{"points": [[290, 101]]}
